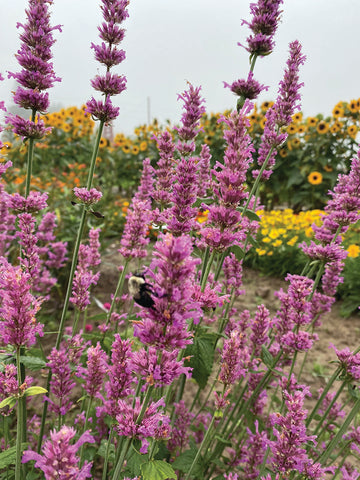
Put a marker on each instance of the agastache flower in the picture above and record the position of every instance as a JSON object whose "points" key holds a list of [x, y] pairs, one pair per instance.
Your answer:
{"points": [[154, 423], [59, 459], [280, 114], [35, 202], [165, 325], [37, 72], [96, 370], [120, 374], [158, 371], [249, 88], [190, 119], [232, 359], [88, 197], [265, 19], [108, 54], [223, 228], [287, 450], [84, 277], [62, 382], [18, 307], [164, 169]]}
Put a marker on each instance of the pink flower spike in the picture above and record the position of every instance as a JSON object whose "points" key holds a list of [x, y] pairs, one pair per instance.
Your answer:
{"points": [[88, 197]]}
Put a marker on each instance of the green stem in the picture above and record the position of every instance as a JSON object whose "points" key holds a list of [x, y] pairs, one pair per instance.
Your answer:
{"points": [[117, 290], [19, 429], [30, 156], [205, 440], [119, 464], [257, 180], [71, 275], [323, 395], [85, 428], [207, 270], [325, 414], [342, 430], [107, 453]]}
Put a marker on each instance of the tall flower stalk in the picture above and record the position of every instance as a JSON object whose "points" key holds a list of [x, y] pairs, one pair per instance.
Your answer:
{"points": [[110, 84]]}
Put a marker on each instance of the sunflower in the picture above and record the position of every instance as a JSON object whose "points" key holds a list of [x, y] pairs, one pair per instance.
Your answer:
{"points": [[352, 106], [135, 150], [295, 142], [143, 146], [352, 130], [328, 168], [334, 128], [338, 112], [103, 142], [315, 178], [322, 127], [283, 152], [291, 129], [266, 105], [297, 117], [312, 121], [126, 148], [302, 128]]}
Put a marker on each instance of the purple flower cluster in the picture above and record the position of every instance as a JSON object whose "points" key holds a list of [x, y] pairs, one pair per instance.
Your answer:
{"points": [[62, 381], [88, 197], [84, 277], [37, 72], [287, 450], [154, 424], [249, 88], [107, 53], [59, 459], [158, 369], [164, 169], [265, 19], [295, 312], [279, 115], [190, 119], [120, 375], [18, 307], [349, 362], [96, 370], [135, 239], [164, 326], [223, 228], [7, 225], [232, 368]]}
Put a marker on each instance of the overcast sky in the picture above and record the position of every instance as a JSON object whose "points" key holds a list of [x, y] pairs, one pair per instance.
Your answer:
{"points": [[169, 42]]}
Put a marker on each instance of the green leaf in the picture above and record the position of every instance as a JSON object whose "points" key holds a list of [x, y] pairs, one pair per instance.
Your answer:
{"points": [[202, 358], [31, 391], [184, 461], [8, 457], [102, 450], [250, 214], [32, 363], [238, 252], [157, 470], [266, 356], [8, 401]]}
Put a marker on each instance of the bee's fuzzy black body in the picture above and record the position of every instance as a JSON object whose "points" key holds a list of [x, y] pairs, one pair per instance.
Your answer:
{"points": [[141, 291]]}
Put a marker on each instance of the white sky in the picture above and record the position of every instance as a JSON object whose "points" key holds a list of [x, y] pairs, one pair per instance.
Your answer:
{"points": [[170, 42]]}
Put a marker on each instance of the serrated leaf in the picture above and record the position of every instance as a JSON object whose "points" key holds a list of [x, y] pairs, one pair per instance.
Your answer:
{"points": [[157, 470], [102, 450], [32, 363], [202, 358], [31, 391], [8, 457], [238, 252], [184, 461]]}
